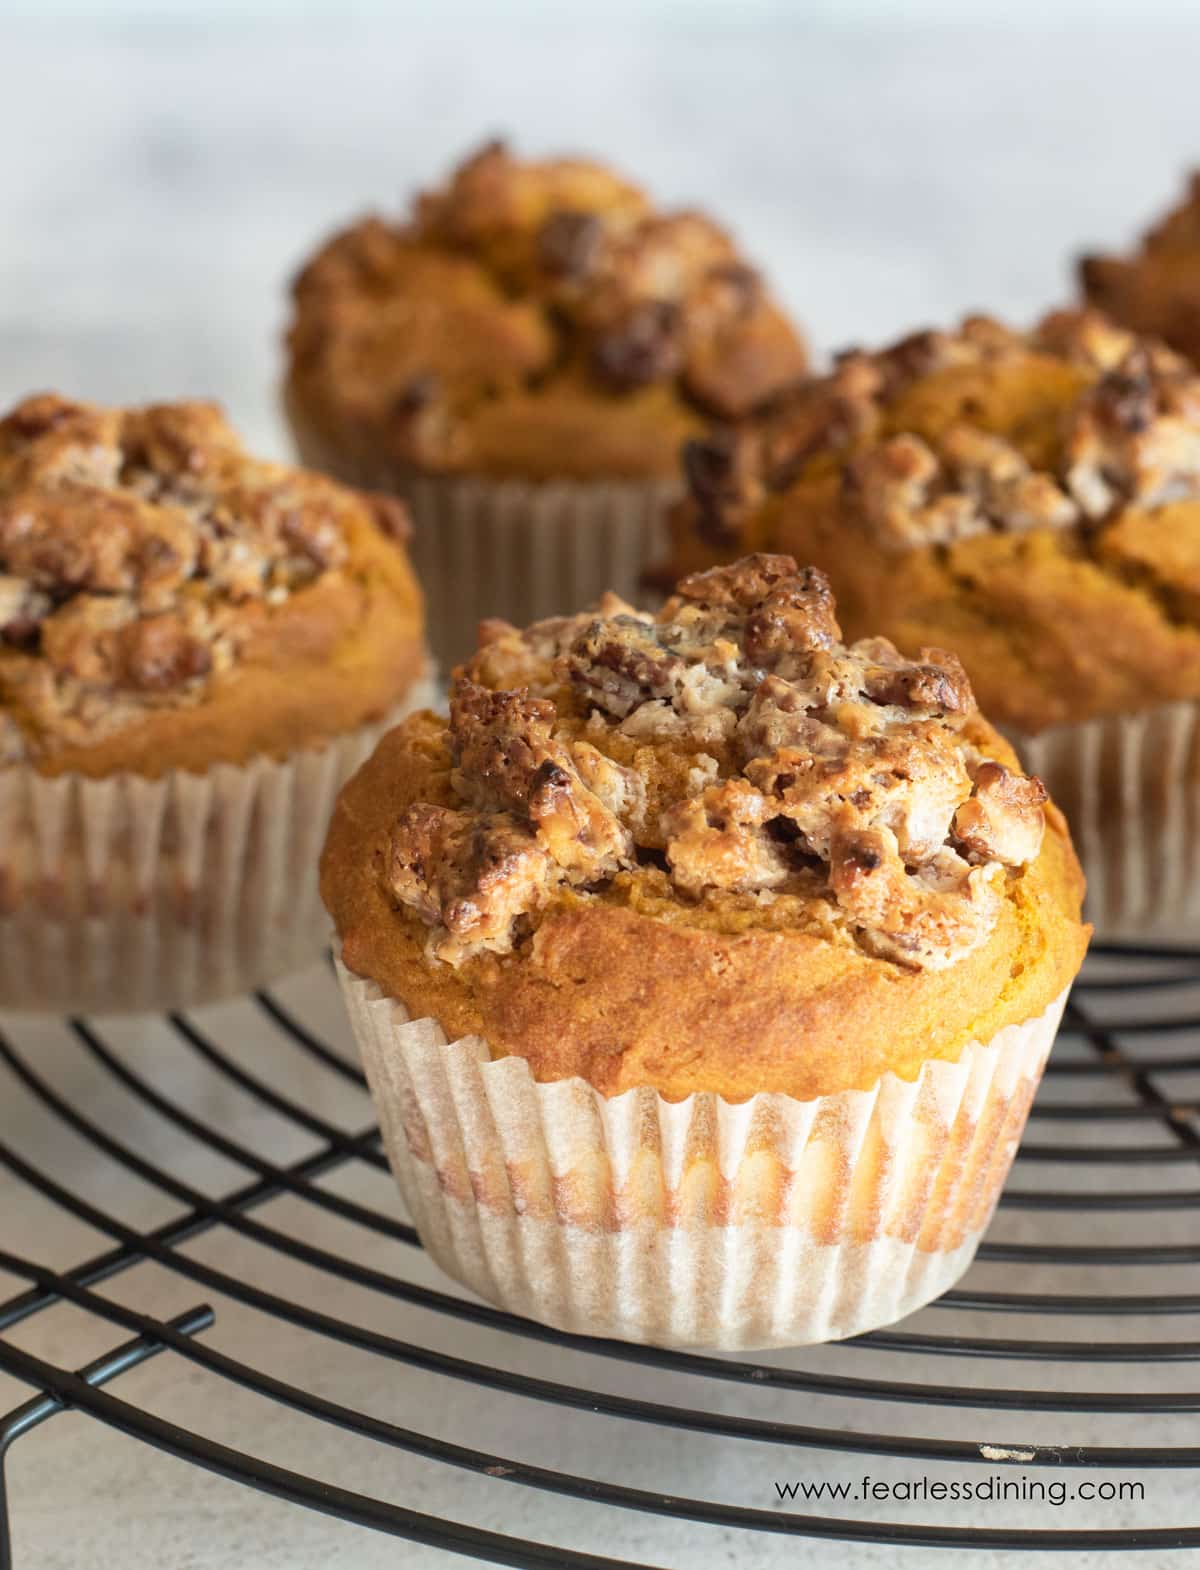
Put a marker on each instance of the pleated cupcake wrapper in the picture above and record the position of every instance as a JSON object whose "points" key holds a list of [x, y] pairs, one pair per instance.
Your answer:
{"points": [[703, 1222], [1130, 788], [135, 894], [528, 551], [518, 549]]}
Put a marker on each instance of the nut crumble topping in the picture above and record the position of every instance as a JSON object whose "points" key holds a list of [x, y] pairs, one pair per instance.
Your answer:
{"points": [[731, 745], [138, 548], [519, 277], [1122, 431]]}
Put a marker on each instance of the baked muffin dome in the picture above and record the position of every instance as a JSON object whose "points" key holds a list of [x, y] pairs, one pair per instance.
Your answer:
{"points": [[1029, 500], [713, 849], [538, 320], [1157, 289], [169, 602]]}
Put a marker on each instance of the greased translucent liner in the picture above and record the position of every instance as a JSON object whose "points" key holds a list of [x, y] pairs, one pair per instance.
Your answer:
{"points": [[134, 894], [704, 1222], [1129, 785]]}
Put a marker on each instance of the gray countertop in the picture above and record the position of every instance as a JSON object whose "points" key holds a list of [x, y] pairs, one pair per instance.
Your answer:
{"points": [[158, 184]]}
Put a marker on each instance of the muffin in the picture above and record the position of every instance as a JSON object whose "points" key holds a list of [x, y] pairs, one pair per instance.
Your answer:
{"points": [[1157, 289], [703, 966], [196, 649], [1032, 502], [520, 358]]}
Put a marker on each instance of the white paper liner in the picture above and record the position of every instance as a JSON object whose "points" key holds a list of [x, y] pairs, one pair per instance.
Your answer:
{"points": [[523, 550], [1129, 785], [704, 1222], [127, 894], [528, 551]]}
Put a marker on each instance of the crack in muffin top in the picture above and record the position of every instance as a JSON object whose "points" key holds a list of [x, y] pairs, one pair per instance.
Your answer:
{"points": [[1083, 421], [139, 548], [543, 280], [729, 746]]}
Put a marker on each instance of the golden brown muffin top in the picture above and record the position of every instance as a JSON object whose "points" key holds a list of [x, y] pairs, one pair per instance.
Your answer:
{"points": [[1157, 289], [729, 755], [1024, 498], [142, 552], [534, 319]]}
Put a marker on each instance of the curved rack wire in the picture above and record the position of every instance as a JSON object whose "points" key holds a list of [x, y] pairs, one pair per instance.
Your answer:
{"points": [[1134, 1020]]}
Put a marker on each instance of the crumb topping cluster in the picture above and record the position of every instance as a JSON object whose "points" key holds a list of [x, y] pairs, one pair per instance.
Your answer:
{"points": [[730, 747], [1155, 288], [138, 548], [1104, 422], [557, 273]]}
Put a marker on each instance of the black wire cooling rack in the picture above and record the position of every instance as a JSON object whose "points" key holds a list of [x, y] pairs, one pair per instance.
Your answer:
{"points": [[1104, 1192]]}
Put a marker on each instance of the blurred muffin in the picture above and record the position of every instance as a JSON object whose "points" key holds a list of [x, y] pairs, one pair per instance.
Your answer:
{"points": [[521, 358], [1031, 501], [196, 649], [1157, 289], [748, 947]]}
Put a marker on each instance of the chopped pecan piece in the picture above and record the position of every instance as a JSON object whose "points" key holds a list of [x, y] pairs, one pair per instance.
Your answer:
{"points": [[725, 474], [1135, 437], [1003, 820], [468, 875], [619, 664], [900, 491], [1084, 336], [569, 244], [499, 740], [910, 782], [158, 654], [585, 839], [641, 348], [924, 919], [797, 616], [935, 683], [720, 840], [1009, 494], [743, 586]]}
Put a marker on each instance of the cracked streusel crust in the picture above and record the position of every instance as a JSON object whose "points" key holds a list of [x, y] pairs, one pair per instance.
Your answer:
{"points": [[1030, 500], [723, 784], [535, 320]]}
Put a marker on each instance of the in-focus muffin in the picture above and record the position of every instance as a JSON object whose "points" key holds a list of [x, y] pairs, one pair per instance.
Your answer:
{"points": [[1031, 501], [196, 649], [748, 946], [1157, 289], [520, 358]]}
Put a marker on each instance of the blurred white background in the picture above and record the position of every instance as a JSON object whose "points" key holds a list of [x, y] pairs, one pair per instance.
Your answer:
{"points": [[164, 169]]}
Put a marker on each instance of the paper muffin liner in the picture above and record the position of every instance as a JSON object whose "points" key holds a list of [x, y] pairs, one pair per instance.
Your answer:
{"points": [[1129, 785], [702, 1222], [523, 550], [526, 551], [126, 893]]}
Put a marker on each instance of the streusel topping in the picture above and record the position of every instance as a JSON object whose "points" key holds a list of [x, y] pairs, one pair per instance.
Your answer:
{"points": [[1156, 287], [520, 279], [138, 550], [1084, 421], [731, 745]]}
